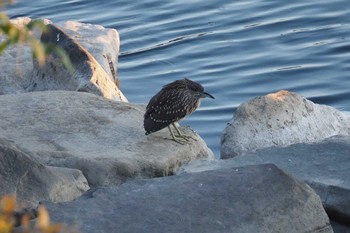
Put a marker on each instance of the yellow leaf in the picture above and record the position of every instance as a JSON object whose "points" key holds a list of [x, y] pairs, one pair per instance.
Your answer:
{"points": [[13, 33], [53, 228], [43, 220], [6, 225], [8, 204], [39, 52]]}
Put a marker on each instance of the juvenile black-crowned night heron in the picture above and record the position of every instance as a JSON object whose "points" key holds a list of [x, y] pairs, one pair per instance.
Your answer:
{"points": [[172, 103]]}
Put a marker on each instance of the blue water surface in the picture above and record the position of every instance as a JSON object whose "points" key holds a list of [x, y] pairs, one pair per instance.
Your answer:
{"points": [[236, 49]]}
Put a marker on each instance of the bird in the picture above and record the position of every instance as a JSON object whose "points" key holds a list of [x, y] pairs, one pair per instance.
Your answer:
{"points": [[172, 103]]}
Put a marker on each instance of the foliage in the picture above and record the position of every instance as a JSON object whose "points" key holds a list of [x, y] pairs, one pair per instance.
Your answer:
{"points": [[42, 223]]}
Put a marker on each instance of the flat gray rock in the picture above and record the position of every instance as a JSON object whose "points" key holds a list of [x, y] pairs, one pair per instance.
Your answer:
{"points": [[242, 200], [280, 119], [324, 166], [102, 138], [33, 182]]}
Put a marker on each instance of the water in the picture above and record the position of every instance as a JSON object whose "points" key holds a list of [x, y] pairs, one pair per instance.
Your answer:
{"points": [[236, 49]]}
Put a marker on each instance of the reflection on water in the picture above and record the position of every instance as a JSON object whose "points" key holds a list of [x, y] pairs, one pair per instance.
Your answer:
{"points": [[237, 50]]}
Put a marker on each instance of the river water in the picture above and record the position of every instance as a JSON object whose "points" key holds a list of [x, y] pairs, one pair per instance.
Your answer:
{"points": [[236, 49]]}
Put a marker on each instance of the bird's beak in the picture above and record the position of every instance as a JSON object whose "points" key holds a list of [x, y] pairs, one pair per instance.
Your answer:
{"points": [[205, 94]]}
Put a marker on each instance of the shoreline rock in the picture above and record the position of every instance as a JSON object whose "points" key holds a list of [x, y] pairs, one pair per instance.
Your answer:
{"points": [[102, 138], [280, 119], [102, 43], [32, 182], [242, 200], [324, 166], [88, 75]]}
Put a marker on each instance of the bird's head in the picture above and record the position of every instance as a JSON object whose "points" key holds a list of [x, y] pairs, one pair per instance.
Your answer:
{"points": [[197, 89]]}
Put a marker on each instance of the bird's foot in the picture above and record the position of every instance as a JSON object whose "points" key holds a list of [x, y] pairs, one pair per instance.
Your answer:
{"points": [[183, 139], [180, 138], [180, 141], [186, 138]]}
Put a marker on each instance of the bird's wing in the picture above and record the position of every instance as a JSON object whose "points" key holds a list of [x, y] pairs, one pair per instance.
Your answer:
{"points": [[164, 109]]}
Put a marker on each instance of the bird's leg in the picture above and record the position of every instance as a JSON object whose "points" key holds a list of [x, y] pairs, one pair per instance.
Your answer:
{"points": [[182, 142], [180, 135]]}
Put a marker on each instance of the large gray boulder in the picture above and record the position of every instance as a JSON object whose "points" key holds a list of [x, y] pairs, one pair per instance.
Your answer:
{"points": [[324, 166], [88, 74], [280, 119], [32, 182], [102, 138], [242, 200]]}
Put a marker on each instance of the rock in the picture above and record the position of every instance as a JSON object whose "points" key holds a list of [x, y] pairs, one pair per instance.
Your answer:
{"points": [[324, 166], [280, 119], [32, 182], [242, 200], [89, 75], [103, 43], [13, 78], [104, 139]]}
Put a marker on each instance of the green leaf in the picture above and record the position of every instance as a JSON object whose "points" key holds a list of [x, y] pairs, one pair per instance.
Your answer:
{"points": [[4, 45]]}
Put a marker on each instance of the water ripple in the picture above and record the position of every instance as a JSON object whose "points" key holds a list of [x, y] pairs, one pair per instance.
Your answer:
{"points": [[178, 39]]}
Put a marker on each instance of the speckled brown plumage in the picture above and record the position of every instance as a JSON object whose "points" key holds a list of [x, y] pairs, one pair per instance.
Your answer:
{"points": [[172, 103]]}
